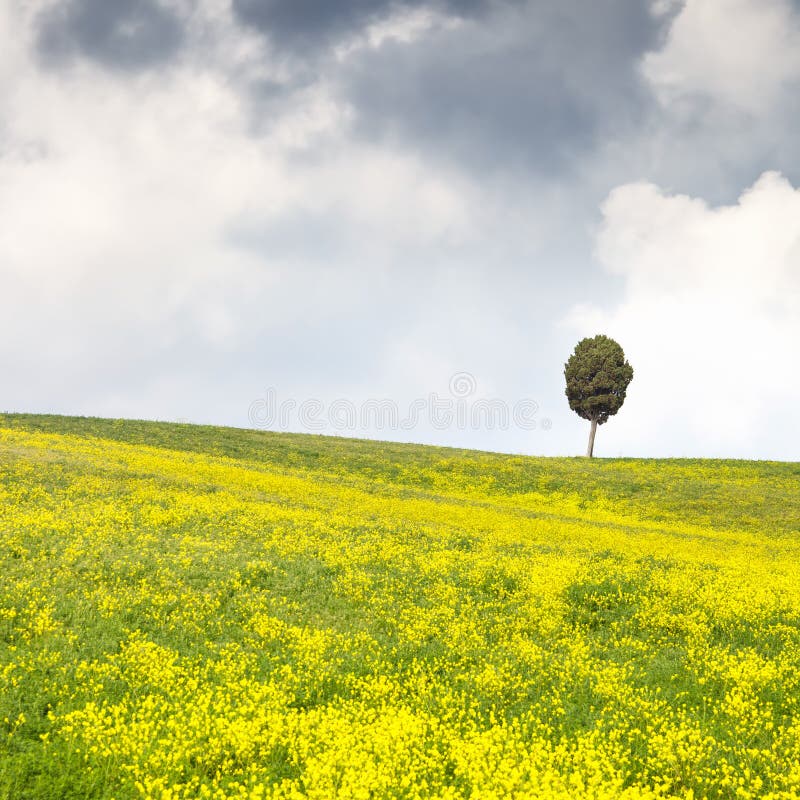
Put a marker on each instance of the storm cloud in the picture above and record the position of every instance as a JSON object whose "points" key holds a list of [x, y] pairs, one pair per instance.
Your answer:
{"points": [[303, 24], [202, 200], [530, 86], [120, 34]]}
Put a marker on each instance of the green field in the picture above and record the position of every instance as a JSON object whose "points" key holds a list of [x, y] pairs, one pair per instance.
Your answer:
{"points": [[191, 611]]}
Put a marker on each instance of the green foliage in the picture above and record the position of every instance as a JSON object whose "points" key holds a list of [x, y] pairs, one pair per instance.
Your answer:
{"points": [[597, 378]]}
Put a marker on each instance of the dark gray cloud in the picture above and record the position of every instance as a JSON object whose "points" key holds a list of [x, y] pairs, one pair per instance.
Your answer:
{"points": [[540, 106], [532, 86], [297, 24], [529, 85], [121, 34]]}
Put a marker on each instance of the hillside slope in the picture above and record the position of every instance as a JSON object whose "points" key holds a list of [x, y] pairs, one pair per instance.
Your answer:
{"points": [[190, 611]]}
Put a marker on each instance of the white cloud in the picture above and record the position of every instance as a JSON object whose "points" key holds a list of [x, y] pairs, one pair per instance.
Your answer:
{"points": [[403, 26], [169, 247], [743, 53], [120, 199], [710, 319]]}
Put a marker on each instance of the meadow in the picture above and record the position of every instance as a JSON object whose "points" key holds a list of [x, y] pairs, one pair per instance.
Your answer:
{"points": [[199, 612]]}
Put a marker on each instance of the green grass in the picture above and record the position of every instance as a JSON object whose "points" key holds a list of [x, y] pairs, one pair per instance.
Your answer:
{"points": [[636, 617], [716, 492]]}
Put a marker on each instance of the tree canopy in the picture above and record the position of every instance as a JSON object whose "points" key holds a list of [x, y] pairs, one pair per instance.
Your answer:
{"points": [[597, 377]]}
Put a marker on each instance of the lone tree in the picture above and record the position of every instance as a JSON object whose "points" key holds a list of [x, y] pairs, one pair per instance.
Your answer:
{"points": [[597, 378]]}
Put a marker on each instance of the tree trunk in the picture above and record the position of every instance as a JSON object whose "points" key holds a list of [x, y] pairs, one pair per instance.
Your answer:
{"points": [[592, 432]]}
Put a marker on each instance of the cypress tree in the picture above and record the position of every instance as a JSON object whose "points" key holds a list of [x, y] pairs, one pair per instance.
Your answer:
{"points": [[597, 377]]}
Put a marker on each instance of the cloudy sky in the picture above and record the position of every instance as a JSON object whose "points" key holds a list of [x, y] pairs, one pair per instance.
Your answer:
{"points": [[213, 209]]}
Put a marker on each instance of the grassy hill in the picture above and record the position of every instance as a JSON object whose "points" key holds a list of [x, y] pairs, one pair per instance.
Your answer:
{"points": [[191, 611]]}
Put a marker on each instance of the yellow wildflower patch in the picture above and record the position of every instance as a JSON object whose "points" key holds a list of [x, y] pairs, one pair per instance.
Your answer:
{"points": [[201, 613]]}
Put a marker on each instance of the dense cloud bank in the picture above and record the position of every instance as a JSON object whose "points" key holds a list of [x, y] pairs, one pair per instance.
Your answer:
{"points": [[199, 201]]}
